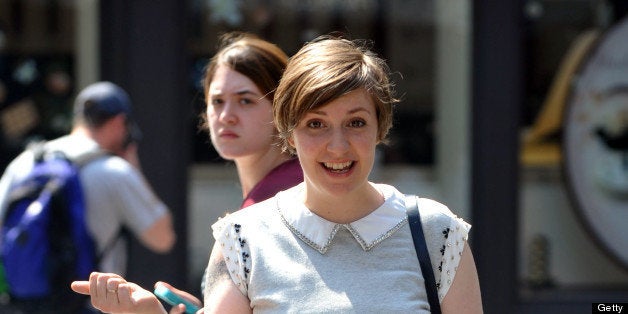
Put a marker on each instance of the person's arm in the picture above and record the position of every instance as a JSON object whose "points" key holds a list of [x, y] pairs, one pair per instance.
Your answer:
{"points": [[110, 293], [221, 294], [464, 294], [160, 236], [138, 207]]}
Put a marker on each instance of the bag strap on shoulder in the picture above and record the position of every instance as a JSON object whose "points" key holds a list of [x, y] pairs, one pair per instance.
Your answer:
{"points": [[418, 237], [41, 151]]}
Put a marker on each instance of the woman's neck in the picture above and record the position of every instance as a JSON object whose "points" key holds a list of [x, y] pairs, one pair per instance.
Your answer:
{"points": [[252, 169], [346, 207]]}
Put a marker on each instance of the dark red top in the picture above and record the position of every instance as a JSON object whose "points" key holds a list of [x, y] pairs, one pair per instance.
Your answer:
{"points": [[282, 177]]}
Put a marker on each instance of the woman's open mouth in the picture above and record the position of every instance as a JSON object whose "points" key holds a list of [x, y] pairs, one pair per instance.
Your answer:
{"points": [[338, 167]]}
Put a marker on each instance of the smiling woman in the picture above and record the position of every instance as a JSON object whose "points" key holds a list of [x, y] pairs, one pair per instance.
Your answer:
{"points": [[316, 242], [337, 150]]}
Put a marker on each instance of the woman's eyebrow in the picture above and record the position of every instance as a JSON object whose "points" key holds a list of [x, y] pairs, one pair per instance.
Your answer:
{"points": [[359, 109], [246, 92], [352, 111]]}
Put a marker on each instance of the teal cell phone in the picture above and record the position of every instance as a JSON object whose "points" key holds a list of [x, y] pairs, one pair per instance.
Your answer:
{"points": [[174, 299]]}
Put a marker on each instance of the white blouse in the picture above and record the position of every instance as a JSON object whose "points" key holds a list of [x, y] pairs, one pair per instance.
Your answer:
{"points": [[278, 251]]}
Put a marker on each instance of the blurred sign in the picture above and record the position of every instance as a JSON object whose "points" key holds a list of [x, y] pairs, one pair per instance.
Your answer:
{"points": [[595, 142]]}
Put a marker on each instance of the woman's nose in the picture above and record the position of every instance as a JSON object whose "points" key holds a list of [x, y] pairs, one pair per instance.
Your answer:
{"points": [[228, 114], [338, 142]]}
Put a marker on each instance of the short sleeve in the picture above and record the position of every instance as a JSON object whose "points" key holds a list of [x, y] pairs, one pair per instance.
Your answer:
{"points": [[235, 251], [456, 235], [112, 183]]}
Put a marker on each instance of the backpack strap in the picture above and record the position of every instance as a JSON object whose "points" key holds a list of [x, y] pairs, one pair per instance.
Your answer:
{"points": [[40, 152], [418, 237], [123, 232], [86, 158]]}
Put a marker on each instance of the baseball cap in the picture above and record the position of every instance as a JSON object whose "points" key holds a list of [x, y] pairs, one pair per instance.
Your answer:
{"points": [[102, 101]]}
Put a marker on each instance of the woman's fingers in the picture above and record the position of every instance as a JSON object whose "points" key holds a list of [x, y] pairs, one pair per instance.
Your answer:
{"points": [[110, 293], [86, 287], [103, 289], [81, 287], [124, 294], [177, 309]]}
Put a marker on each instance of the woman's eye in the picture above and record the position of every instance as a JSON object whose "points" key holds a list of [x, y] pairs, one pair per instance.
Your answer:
{"points": [[315, 124], [216, 101], [358, 123], [245, 101]]}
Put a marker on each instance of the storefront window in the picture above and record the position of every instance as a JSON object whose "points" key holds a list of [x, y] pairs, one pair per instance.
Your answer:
{"points": [[566, 218], [36, 72]]}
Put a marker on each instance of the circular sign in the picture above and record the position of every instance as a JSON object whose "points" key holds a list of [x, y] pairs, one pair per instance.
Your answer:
{"points": [[595, 142]]}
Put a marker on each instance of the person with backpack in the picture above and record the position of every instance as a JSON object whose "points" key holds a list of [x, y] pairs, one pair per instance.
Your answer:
{"points": [[108, 195]]}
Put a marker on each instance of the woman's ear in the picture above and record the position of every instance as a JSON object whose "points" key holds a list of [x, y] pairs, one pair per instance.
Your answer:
{"points": [[291, 141]]}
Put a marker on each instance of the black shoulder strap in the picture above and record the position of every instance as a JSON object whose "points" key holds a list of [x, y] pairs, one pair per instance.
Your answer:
{"points": [[414, 220]]}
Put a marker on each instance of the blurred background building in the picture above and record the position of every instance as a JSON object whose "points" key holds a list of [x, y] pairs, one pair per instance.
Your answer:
{"points": [[491, 93]]}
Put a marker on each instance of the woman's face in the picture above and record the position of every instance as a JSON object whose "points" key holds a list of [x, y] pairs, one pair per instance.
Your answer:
{"points": [[336, 144], [239, 116]]}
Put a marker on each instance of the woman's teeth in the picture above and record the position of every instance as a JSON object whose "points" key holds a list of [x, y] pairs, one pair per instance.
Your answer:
{"points": [[337, 166]]}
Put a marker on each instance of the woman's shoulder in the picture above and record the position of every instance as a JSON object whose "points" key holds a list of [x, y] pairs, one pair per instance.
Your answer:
{"points": [[429, 208], [253, 215], [435, 215], [439, 216]]}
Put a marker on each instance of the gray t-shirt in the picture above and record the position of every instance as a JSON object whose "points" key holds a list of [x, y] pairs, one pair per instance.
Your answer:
{"points": [[116, 195], [286, 259]]}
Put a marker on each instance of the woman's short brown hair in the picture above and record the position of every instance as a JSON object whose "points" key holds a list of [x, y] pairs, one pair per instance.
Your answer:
{"points": [[326, 69]]}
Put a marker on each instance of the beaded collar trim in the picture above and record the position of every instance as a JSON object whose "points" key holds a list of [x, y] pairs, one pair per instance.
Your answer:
{"points": [[368, 231]]}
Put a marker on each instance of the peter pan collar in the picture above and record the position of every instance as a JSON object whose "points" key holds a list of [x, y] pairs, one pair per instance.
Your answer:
{"points": [[319, 233]]}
